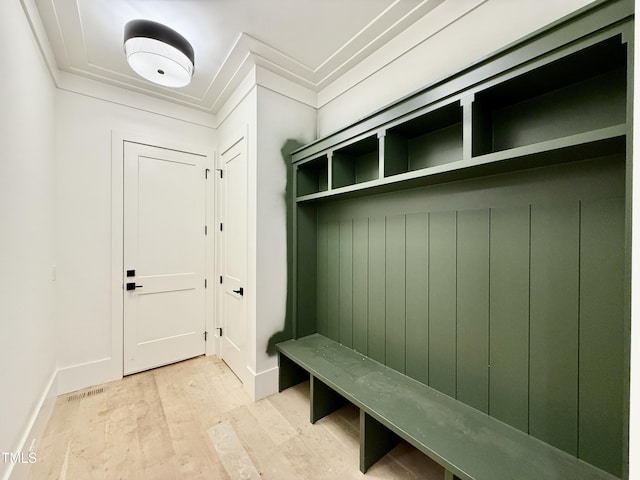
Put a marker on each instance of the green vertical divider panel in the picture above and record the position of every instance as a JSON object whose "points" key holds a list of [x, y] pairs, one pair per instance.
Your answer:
{"points": [[442, 302], [346, 283], [417, 301], [375, 440], [396, 154], [553, 381], [472, 323], [333, 280], [601, 376], [322, 302], [509, 316], [306, 269], [376, 331], [395, 293], [360, 283]]}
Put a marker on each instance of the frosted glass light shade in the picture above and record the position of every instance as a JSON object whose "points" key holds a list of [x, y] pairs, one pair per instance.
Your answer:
{"points": [[158, 54]]}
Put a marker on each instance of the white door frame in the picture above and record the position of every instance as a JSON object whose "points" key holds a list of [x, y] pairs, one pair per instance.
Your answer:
{"points": [[117, 236]]}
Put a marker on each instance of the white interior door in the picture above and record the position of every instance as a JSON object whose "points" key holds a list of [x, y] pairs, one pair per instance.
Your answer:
{"points": [[164, 256], [234, 258]]}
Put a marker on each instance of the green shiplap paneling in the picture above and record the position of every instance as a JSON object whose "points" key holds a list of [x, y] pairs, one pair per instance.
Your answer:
{"points": [[360, 284], [322, 264], [346, 283], [376, 329], [395, 293], [333, 280], [417, 302], [553, 381], [472, 266], [601, 376], [509, 316], [442, 302]]}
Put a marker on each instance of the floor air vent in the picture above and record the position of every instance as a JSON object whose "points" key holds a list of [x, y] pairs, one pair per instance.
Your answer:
{"points": [[81, 395]]}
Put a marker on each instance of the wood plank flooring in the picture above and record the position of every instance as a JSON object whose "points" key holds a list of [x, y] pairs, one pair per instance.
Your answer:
{"points": [[193, 420]]}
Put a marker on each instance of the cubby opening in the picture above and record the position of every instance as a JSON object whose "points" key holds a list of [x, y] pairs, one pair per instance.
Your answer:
{"points": [[356, 163], [431, 139], [313, 176], [582, 92]]}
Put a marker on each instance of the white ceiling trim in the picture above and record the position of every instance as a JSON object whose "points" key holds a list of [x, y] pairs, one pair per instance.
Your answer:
{"points": [[363, 44], [37, 27], [416, 34], [368, 41], [364, 53]]}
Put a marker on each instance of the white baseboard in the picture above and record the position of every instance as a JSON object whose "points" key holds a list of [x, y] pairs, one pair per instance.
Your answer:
{"points": [[263, 384], [35, 428], [76, 377]]}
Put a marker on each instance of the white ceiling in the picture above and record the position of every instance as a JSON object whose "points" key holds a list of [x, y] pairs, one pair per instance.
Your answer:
{"points": [[311, 42]]}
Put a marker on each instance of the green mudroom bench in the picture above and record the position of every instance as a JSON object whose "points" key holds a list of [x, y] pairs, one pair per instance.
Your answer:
{"points": [[466, 442]]}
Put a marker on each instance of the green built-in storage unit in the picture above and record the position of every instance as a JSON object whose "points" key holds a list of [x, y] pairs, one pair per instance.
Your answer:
{"points": [[475, 235]]}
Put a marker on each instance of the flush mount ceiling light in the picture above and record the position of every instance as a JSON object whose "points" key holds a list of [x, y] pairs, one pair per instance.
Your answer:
{"points": [[157, 53]]}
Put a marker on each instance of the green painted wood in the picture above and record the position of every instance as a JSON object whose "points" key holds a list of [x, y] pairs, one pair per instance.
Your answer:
{"points": [[367, 167], [289, 373], [376, 441], [466, 442], [360, 284], [472, 308], [323, 294], [396, 154], [601, 374], [376, 326], [553, 380], [342, 170], [356, 163], [333, 280], [323, 400], [395, 290], [571, 30], [509, 316], [442, 302], [436, 148], [558, 99], [575, 148], [306, 265], [417, 297], [312, 176], [345, 307]]}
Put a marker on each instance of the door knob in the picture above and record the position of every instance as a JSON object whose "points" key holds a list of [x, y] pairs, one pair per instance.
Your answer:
{"points": [[133, 286], [240, 291]]}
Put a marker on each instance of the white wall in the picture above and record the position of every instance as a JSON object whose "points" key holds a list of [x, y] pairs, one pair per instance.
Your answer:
{"points": [[488, 27], [239, 120], [280, 120], [269, 120], [27, 167], [83, 230]]}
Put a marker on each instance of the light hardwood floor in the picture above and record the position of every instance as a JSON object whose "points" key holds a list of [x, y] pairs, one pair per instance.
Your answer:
{"points": [[193, 420]]}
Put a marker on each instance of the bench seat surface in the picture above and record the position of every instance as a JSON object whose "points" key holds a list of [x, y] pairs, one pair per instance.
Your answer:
{"points": [[465, 441]]}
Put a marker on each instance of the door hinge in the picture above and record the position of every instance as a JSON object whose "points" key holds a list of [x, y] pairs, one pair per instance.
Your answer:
{"points": [[219, 331], [206, 334], [206, 173], [205, 283], [220, 279], [220, 227], [220, 170], [205, 229]]}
